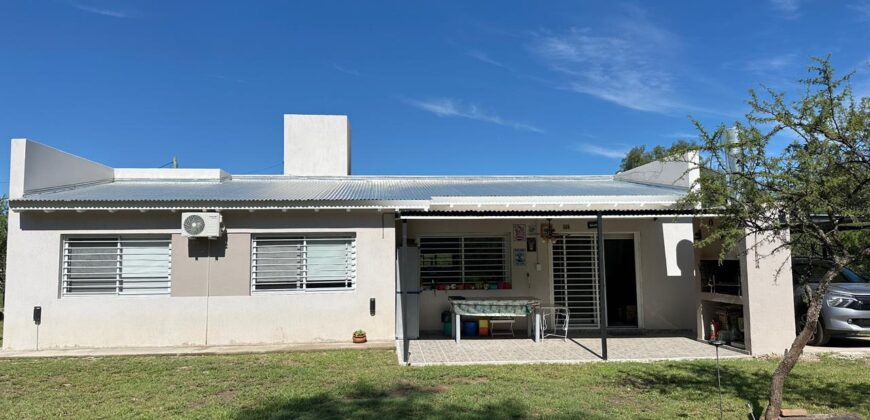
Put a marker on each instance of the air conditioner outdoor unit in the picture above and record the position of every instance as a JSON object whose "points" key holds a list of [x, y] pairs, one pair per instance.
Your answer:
{"points": [[201, 225]]}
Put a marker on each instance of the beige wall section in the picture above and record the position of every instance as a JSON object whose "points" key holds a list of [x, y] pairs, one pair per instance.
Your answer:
{"points": [[667, 302], [219, 267], [33, 275], [230, 266], [189, 275]]}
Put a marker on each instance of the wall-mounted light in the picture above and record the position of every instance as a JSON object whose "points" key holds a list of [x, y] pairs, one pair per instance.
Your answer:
{"points": [[37, 315]]}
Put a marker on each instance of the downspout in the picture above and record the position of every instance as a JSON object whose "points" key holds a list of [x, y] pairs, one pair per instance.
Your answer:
{"points": [[602, 287]]}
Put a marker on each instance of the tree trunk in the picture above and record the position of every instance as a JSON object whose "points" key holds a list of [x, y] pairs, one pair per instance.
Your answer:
{"points": [[794, 352]]}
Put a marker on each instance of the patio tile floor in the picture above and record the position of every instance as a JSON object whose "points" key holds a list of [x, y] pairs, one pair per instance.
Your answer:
{"points": [[555, 350]]}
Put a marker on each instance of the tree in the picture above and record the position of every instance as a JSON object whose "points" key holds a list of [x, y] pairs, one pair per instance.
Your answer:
{"points": [[638, 155], [802, 192]]}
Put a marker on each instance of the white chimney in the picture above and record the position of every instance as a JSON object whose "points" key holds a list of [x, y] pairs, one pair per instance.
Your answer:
{"points": [[316, 145]]}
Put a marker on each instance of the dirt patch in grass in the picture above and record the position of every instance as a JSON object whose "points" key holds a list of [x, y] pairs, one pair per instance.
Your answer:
{"points": [[635, 383], [227, 395], [473, 380], [406, 388]]}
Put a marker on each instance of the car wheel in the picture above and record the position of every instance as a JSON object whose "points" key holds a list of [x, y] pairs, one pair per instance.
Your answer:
{"points": [[820, 336]]}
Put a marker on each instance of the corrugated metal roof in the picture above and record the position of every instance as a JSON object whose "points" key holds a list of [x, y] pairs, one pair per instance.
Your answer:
{"points": [[354, 188]]}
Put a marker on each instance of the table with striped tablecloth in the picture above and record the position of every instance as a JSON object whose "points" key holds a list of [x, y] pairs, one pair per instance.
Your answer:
{"points": [[513, 306]]}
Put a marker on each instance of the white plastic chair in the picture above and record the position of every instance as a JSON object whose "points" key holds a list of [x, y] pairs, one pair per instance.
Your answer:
{"points": [[554, 321]]}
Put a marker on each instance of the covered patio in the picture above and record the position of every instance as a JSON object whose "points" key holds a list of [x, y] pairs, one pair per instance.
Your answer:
{"points": [[612, 260], [443, 351], [639, 300]]}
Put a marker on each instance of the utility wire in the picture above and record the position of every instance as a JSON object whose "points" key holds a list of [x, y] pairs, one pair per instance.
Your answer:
{"points": [[264, 169]]}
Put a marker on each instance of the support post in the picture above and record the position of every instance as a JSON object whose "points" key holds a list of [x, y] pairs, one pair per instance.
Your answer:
{"points": [[457, 330], [402, 293], [602, 287]]}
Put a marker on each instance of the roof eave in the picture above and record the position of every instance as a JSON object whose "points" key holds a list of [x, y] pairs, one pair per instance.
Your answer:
{"points": [[212, 205]]}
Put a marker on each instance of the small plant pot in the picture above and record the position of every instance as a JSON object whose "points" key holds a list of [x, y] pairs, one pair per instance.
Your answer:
{"points": [[359, 340]]}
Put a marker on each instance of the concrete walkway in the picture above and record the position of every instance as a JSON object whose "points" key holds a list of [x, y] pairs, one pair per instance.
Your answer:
{"points": [[193, 350], [843, 346], [554, 350]]}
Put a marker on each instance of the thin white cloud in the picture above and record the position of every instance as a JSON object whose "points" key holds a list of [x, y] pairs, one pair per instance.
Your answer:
{"points": [[485, 58], [862, 10], [771, 63], [789, 9], [103, 11], [346, 70], [608, 152], [630, 66], [448, 107], [681, 135]]}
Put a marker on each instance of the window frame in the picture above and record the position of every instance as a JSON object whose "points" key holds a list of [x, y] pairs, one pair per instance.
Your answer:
{"points": [[507, 256], [118, 287], [305, 236]]}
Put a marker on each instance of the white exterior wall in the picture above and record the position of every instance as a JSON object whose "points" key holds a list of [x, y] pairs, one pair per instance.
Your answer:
{"points": [[316, 145], [34, 166], [33, 279], [666, 302], [768, 295]]}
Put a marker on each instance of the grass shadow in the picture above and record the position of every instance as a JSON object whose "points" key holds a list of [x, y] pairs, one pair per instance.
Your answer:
{"points": [[362, 400], [749, 386]]}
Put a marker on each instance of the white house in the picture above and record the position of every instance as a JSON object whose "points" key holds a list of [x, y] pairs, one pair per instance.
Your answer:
{"points": [[99, 256]]}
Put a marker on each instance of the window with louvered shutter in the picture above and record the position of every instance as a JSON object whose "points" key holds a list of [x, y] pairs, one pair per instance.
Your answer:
{"points": [[303, 263], [116, 265]]}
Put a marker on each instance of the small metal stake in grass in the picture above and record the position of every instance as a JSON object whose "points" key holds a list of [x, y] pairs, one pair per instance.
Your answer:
{"points": [[717, 344]]}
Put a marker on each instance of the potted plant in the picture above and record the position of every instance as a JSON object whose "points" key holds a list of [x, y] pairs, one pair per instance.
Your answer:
{"points": [[359, 336]]}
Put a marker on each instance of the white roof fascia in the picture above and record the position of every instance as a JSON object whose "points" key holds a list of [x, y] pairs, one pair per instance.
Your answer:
{"points": [[552, 216], [556, 200], [170, 174], [217, 208]]}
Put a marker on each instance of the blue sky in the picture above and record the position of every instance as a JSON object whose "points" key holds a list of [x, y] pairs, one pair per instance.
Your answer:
{"points": [[465, 87]]}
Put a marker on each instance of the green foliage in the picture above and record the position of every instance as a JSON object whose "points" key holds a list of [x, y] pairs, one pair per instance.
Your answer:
{"points": [[782, 190], [359, 333], [638, 155], [813, 190]]}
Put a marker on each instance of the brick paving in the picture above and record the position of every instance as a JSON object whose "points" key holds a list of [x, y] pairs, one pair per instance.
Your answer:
{"points": [[442, 351]]}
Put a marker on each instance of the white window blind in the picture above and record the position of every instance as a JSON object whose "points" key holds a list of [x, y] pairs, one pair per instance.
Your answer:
{"points": [[463, 259], [303, 263], [116, 265]]}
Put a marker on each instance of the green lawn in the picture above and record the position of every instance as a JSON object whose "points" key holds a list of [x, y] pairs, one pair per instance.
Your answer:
{"points": [[366, 383]]}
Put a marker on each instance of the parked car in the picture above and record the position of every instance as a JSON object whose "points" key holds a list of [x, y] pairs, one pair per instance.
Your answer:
{"points": [[846, 306]]}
